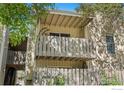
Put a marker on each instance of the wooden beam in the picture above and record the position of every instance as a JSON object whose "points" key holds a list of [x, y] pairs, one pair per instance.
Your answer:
{"points": [[72, 21], [51, 19], [64, 17], [67, 22], [76, 23], [45, 20], [57, 20]]}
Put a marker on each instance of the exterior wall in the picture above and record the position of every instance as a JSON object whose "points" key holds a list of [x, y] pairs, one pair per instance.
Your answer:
{"points": [[73, 76], [97, 31], [62, 65], [20, 77], [112, 64], [74, 32]]}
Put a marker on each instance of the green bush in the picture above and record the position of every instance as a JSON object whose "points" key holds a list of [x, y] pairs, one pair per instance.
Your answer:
{"points": [[59, 80], [106, 81]]}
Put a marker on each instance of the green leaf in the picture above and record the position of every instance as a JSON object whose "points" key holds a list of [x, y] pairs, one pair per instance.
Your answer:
{"points": [[20, 17]]}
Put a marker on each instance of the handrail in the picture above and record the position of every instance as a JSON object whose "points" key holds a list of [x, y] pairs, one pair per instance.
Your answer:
{"points": [[16, 57], [64, 47]]}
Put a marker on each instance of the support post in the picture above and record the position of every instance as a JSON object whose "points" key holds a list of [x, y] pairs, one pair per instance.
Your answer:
{"points": [[3, 52], [30, 54]]}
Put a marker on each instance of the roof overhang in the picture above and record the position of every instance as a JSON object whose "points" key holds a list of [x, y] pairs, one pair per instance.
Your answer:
{"points": [[63, 18]]}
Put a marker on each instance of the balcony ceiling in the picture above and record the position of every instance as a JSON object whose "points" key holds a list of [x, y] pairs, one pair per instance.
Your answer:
{"points": [[60, 18]]}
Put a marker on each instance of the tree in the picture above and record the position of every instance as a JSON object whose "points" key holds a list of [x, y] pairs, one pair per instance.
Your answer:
{"points": [[107, 19], [106, 9], [20, 17], [23, 20]]}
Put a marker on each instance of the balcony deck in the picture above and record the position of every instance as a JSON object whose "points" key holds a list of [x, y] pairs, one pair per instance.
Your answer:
{"points": [[16, 59], [65, 48]]}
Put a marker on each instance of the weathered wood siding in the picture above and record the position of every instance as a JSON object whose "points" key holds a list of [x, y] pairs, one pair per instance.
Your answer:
{"points": [[46, 76], [65, 47], [74, 32], [16, 57], [97, 30], [62, 46], [60, 63]]}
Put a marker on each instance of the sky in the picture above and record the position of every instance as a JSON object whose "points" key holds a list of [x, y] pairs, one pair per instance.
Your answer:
{"points": [[66, 6]]}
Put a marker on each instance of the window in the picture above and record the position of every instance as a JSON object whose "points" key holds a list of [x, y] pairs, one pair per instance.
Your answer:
{"points": [[60, 34], [110, 44]]}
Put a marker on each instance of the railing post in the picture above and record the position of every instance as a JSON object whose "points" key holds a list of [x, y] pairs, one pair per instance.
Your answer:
{"points": [[3, 53], [65, 47]]}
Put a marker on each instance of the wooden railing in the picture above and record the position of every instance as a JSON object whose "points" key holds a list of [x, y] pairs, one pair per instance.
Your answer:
{"points": [[76, 76], [16, 57], [54, 46]]}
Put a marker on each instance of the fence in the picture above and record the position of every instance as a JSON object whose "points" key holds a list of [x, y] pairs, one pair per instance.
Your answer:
{"points": [[47, 76]]}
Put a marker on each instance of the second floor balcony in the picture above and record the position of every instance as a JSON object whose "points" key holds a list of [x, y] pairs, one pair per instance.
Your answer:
{"points": [[65, 47], [16, 59]]}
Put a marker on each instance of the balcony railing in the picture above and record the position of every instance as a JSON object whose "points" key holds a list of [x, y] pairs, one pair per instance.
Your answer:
{"points": [[16, 57], [67, 47]]}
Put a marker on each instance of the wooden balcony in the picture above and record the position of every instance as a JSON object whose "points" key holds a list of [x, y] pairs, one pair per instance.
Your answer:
{"points": [[65, 48], [16, 59]]}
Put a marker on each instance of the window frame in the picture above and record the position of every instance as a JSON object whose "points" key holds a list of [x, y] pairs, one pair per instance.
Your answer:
{"points": [[59, 34], [110, 44]]}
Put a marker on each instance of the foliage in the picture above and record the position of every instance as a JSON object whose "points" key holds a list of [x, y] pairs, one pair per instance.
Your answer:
{"points": [[106, 81], [59, 80], [20, 17], [106, 9]]}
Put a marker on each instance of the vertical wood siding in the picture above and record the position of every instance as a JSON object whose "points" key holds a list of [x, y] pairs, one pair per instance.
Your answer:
{"points": [[74, 32], [75, 76], [16, 57], [64, 47]]}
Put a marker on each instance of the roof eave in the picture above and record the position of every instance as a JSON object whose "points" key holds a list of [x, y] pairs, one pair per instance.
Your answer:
{"points": [[66, 13]]}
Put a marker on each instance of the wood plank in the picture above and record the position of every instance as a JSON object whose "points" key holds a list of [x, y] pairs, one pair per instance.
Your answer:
{"points": [[48, 45], [68, 77], [122, 78], [74, 82], [52, 45], [65, 21], [55, 46], [63, 46], [87, 48], [89, 45], [80, 48], [77, 76], [65, 76], [44, 45], [41, 46], [58, 49], [85, 77], [83, 48], [67, 46], [37, 47], [92, 48], [60, 46]]}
